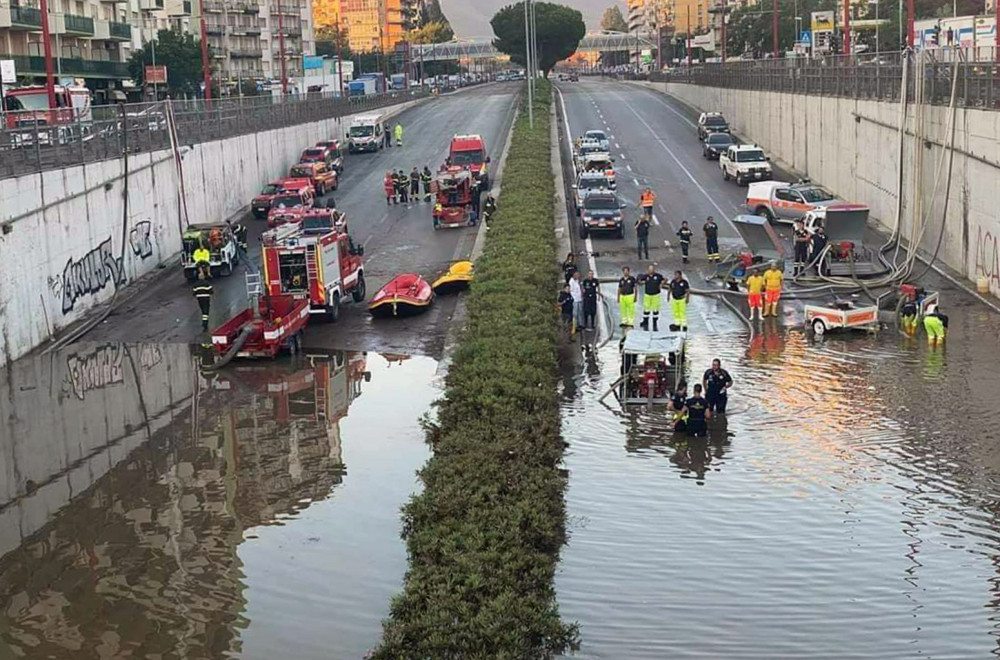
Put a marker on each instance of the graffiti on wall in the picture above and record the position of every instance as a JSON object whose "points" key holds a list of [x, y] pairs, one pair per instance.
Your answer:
{"points": [[90, 274], [105, 366], [988, 256], [139, 239]]}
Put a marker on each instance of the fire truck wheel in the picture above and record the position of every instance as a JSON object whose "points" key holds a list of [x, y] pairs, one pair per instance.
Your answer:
{"points": [[819, 327], [359, 291], [320, 190], [333, 310]]}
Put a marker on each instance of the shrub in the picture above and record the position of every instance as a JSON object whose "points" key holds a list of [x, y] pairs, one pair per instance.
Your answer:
{"points": [[483, 537]]}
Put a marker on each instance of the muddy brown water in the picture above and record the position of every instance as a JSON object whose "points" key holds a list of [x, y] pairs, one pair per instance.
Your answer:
{"points": [[846, 508], [150, 511]]}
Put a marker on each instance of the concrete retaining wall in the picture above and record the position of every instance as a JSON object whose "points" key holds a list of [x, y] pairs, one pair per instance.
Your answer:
{"points": [[851, 147], [63, 247]]}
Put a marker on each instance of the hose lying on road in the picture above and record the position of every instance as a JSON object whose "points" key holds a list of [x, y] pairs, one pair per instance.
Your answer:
{"points": [[241, 339]]}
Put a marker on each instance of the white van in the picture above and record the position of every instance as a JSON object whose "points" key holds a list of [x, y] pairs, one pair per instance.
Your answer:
{"points": [[365, 134]]}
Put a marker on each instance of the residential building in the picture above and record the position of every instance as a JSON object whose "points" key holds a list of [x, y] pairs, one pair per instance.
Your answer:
{"points": [[369, 25], [691, 16]]}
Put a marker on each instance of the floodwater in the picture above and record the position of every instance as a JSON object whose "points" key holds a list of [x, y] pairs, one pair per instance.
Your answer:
{"points": [[151, 511], [846, 508]]}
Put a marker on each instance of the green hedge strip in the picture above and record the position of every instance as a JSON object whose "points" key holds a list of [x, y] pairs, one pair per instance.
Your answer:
{"points": [[484, 535]]}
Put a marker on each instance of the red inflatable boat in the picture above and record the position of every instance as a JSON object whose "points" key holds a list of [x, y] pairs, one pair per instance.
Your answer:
{"points": [[404, 295]]}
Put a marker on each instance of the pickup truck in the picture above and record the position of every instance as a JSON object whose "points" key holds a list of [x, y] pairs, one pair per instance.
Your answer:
{"points": [[336, 156], [289, 207], [780, 201], [744, 163], [589, 182], [602, 211], [323, 176]]}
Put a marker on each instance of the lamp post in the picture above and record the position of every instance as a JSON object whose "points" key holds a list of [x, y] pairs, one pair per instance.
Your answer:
{"points": [[774, 26], [281, 47], [527, 59], [205, 66], [50, 82], [723, 31]]}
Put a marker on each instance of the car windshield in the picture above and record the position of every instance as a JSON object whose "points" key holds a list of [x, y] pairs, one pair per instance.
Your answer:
{"points": [[362, 131], [812, 195], [590, 149], [598, 165], [720, 139], [39, 101], [755, 156], [596, 135], [316, 222], [270, 189], [715, 121], [312, 154], [601, 202], [305, 170], [287, 200], [467, 158], [593, 183]]}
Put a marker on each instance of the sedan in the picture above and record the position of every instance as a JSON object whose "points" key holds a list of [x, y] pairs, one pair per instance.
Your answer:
{"points": [[715, 144]]}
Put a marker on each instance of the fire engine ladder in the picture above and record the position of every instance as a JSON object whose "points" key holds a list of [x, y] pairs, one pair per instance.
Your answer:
{"points": [[253, 291], [312, 269]]}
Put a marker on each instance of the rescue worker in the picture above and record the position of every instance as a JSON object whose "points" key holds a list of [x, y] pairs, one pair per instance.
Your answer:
{"points": [[677, 402], [591, 289], [386, 135], [565, 304], [425, 178], [773, 279], [389, 183], [755, 294], [395, 187], [698, 414], [239, 233], [626, 298], [415, 184], [684, 235], [569, 267], [404, 187], [202, 291], [202, 258], [935, 325], [679, 292], [908, 314], [399, 135], [646, 200], [652, 283], [711, 239], [802, 240], [489, 208], [642, 236], [818, 244], [717, 382]]}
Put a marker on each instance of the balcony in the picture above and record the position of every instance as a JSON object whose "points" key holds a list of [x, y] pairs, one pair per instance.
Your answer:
{"points": [[215, 30], [71, 66], [21, 18], [219, 6], [79, 25], [177, 8], [246, 52], [217, 53], [245, 30], [150, 5], [120, 31]]}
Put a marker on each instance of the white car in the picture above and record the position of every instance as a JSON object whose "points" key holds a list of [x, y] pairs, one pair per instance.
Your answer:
{"points": [[745, 163], [600, 137]]}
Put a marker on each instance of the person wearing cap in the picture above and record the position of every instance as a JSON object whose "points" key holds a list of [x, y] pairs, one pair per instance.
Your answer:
{"points": [[711, 239], [679, 291], [626, 298]]}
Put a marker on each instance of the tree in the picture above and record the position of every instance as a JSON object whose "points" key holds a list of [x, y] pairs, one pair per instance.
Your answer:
{"points": [[560, 30], [434, 32], [180, 53], [431, 13], [613, 20]]}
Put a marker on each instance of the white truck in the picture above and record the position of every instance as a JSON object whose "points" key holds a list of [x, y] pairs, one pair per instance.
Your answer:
{"points": [[745, 163], [365, 134]]}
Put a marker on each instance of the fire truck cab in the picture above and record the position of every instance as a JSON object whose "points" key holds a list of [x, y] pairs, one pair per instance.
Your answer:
{"points": [[469, 152], [28, 107], [325, 268]]}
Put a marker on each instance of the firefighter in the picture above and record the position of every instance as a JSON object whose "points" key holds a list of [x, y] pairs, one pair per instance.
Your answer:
{"points": [[389, 184], [202, 291], [935, 324], [395, 187], [802, 242], [404, 188], [399, 135], [698, 414], [239, 233], [415, 184], [817, 245], [711, 239], [425, 178], [646, 200], [717, 382], [202, 257], [386, 135], [684, 235], [679, 292], [677, 403], [652, 283]]}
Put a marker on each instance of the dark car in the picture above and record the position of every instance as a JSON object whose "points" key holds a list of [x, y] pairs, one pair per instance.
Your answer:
{"points": [[602, 211], [715, 144], [711, 122]]}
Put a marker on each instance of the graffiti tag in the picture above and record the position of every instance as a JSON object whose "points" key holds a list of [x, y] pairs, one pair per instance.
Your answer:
{"points": [[91, 274], [139, 239], [988, 255], [96, 370]]}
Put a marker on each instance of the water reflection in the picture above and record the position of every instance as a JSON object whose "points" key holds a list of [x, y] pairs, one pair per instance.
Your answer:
{"points": [[131, 479], [846, 508]]}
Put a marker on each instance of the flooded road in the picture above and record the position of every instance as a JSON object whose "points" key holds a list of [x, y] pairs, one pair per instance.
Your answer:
{"points": [[847, 508], [151, 511]]}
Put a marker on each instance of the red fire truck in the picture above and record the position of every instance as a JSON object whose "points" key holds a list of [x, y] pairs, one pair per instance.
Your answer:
{"points": [[28, 107], [469, 152], [325, 268]]}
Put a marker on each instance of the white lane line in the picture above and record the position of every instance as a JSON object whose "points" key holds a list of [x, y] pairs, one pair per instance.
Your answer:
{"points": [[673, 110], [622, 156], [656, 221], [635, 181], [628, 167], [617, 146], [680, 164]]}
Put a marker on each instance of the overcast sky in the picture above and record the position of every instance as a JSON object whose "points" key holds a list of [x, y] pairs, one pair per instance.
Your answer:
{"points": [[471, 18]]}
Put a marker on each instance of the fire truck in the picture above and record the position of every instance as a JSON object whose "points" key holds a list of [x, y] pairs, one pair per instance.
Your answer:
{"points": [[325, 268], [28, 107]]}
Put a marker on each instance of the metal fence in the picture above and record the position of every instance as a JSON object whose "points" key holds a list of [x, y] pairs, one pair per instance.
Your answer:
{"points": [[30, 142], [871, 77]]}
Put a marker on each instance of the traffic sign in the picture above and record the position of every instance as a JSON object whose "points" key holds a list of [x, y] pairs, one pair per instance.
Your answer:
{"points": [[8, 73], [805, 38]]}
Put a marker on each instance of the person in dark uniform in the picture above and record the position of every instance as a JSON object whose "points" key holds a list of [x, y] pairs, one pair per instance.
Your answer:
{"points": [[698, 414], [642, 236], [677, 402], [802, 241], [565, 304], [404, 188], [386, 136], [626, 298], [717, 382], [711, 239], [684, 236], [817, 245], [569, 267], [239, 233], [395, 187], [202, 291], [489, 208], [652, 284], [415, 184], [425, 178], [591, 288]]}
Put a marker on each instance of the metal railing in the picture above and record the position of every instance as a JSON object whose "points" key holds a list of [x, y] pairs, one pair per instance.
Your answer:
{"points": [[25, 16], [120, 30], [34, 142], [78, 24], [71, 66], [868, 77]]}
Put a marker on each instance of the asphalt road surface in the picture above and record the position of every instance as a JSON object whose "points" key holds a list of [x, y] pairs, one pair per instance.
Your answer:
{"points": [[397, 239]]}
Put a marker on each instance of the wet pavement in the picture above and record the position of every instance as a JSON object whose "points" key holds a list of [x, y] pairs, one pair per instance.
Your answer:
{"points": [[147, 510], [845, 507]]}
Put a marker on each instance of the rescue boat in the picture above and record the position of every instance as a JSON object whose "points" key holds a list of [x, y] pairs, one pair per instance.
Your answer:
{"points": [[456, 279], [404, 295]]}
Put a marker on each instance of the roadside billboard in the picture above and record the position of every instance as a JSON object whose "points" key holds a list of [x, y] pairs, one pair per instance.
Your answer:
{"points": [[156, 75]]}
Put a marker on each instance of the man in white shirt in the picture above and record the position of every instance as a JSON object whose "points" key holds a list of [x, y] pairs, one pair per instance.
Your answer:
{"points": [[576, 290]]}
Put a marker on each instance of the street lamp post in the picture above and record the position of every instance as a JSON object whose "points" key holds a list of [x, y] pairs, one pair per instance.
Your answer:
{"points": [[205, 66], [774, 26], [50, 82], [527, 59], [281, 47], [723, 31]]}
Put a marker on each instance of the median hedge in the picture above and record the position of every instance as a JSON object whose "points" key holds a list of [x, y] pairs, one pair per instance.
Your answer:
{"points": [[484, 535]]}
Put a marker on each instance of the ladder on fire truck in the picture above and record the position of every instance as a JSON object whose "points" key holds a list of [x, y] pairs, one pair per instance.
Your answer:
{"points": [[312, 267], [253, 291]]}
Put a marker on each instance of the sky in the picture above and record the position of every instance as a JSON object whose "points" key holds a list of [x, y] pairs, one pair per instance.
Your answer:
{"points": [[471, 18]]}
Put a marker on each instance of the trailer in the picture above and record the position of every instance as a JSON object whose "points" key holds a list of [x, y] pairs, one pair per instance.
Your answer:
{"points": [[841, 314], [273, 325]]}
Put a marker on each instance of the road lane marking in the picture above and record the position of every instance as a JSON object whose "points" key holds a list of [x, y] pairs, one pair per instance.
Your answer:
{"points": [[708, 322], [673, 110], [617, 146], [656, 221], [680, 164], [635, 181], [628, 167]]}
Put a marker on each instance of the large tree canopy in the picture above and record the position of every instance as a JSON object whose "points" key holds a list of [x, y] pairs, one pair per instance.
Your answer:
{"points": [[560, 30], [434, 32], [182, 56], [613, 20]]}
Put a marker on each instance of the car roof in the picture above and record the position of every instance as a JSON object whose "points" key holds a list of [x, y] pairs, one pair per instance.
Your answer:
{"points": [[595, 131], [747, 147], [467, 142], [592, 175]]}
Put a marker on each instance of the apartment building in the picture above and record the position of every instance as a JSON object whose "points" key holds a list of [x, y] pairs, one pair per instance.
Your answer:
{"points": [[369, 25]]}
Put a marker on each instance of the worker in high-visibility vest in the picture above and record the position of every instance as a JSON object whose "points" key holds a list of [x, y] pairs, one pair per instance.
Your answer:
{"points": [[201, 256], [646, 201], [399, 135]]}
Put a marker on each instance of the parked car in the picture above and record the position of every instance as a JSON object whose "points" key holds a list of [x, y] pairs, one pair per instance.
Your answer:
{"points": [[589, 182], [711, 122], [715, 144], [745, 163], [780, 201]]}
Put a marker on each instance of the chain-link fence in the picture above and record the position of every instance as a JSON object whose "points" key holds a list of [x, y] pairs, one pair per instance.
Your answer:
{"points": [[35, 141], [872, 77]]}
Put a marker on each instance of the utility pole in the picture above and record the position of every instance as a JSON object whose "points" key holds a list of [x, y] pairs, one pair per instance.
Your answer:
{"points": [[724, 31], [847, 27], [281, 47], [910, 34], [689, 36], [50, 82], [774, 25], [205, 66], [340, 61], [527, 58]]}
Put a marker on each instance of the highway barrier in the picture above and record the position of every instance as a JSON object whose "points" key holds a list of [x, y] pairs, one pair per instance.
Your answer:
{"points": [[484, 536]]}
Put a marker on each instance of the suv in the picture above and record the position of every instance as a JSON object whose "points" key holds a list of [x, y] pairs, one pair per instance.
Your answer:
{"points": [[588, 183], [322, 176], [787, 202], [711, 122], [289, 207], [601, 212], [715, 144], [745, 163], [336, 156], [600, 136]]}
